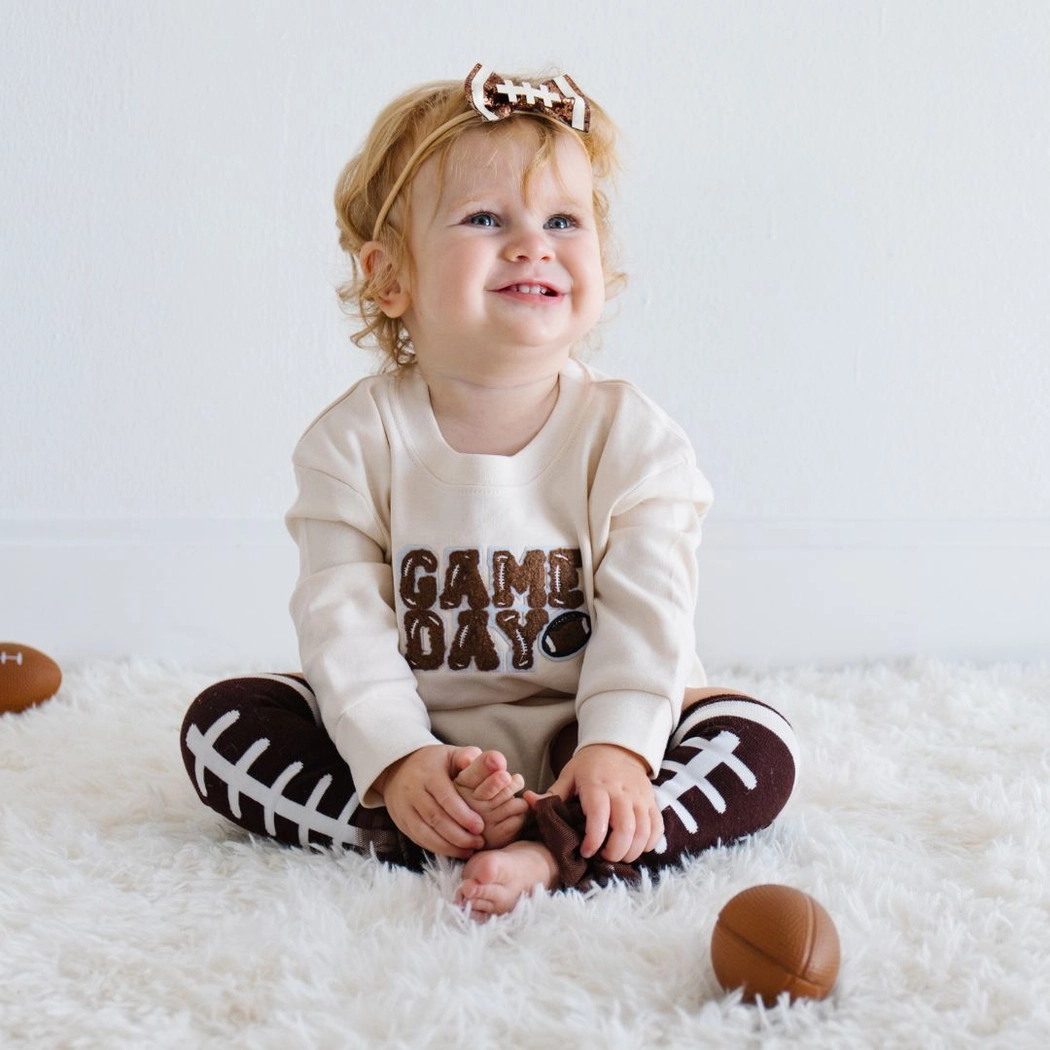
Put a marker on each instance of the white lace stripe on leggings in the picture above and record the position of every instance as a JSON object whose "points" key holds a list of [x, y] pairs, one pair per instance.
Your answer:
{"points": [[714, 753], [239, 782]]}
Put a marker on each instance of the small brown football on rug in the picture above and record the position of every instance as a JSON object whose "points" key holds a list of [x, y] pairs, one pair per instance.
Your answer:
{"points": [[771, 939], [27, 677]]}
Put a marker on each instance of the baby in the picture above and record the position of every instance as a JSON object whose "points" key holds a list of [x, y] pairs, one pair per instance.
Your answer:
{"points": [[497, 544]]}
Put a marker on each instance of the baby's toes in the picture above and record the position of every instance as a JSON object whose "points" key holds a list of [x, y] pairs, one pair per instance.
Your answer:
{"points": [[488, 764], [495, 788], [505, 826]]}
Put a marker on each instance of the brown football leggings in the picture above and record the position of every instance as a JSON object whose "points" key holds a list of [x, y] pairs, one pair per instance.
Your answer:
{"points": [[256, 752]]}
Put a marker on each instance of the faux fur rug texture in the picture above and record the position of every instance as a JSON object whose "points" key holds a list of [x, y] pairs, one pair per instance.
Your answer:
{"points": [[133, 917]]}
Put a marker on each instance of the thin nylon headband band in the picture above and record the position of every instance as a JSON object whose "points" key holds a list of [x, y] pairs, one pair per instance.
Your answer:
{"points": [[413, 162]]}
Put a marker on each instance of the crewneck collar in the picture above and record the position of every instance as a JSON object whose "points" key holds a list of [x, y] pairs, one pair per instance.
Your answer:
{"points": [[422, 435]]}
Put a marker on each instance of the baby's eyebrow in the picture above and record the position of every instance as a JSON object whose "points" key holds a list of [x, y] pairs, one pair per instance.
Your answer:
{"points": [[569, 198], [561, 201], [571, 204], [471, 204]]}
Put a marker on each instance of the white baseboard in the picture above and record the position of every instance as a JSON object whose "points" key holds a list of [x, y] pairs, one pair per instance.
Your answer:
{"points": [[213, 595], [206, 594]]}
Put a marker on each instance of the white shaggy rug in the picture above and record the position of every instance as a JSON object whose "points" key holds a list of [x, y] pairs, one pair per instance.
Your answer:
{"points": [[133, 917]]}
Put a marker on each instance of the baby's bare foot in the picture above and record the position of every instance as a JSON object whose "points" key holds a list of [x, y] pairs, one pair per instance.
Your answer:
{"points": [[490, 790], [495, 880]]}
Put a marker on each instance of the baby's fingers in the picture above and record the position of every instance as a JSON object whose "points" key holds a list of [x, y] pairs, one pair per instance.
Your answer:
{"points": [[451, 817], [596, 808], [441, 836], [637, 845], [623, 832], [506, 821], [656, 829], [498, 787], [648, 829]]}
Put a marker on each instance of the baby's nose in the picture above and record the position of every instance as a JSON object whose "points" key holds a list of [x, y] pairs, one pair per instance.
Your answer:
{"points": [[530, 244]]}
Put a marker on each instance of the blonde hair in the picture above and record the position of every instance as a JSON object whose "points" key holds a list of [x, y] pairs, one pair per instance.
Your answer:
{"points": [[369, 178]]}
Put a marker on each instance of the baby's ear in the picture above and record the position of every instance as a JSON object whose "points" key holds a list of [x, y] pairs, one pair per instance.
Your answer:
{"points": [[390, 290]]}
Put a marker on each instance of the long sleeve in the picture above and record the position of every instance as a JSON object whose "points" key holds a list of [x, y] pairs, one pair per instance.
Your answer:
{"points": [[642, 653], [343, 604]]}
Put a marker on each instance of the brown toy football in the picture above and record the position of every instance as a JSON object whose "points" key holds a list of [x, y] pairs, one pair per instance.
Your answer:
{"points": [[27, 677], [772, 939]]}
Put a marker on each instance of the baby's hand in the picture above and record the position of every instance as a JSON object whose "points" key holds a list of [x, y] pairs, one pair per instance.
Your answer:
{"points": [[490, 790], [617, 797], [419, 793]]}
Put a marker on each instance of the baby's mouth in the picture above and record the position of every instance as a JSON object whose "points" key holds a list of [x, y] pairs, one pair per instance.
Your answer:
{"points": [[530, 289]]}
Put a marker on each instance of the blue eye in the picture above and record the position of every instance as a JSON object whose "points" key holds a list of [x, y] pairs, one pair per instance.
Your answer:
{"points": [[560, 222], [482, 218]]}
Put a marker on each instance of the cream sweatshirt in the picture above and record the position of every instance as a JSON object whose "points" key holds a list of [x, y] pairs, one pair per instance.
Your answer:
{"points": [[489, 600]]}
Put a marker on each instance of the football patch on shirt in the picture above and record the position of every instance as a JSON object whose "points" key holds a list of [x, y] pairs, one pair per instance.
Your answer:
{"points": [[566, 635]]}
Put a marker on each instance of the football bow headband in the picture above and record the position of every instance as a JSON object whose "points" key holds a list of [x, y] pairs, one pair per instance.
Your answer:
{"points": [[495, 97]]}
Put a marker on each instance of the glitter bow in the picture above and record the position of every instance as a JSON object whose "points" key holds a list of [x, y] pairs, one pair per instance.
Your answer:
{"points": [[495, 96]]}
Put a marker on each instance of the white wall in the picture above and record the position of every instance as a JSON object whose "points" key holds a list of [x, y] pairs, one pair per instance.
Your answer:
{"points": [[836, 217]]}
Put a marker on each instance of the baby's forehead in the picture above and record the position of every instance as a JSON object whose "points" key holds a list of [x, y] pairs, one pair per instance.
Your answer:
{"points": [[481, 161]]}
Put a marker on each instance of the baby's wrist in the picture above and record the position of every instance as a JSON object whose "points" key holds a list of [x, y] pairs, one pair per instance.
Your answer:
{"points": [[382, 782], [618, 750]]}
